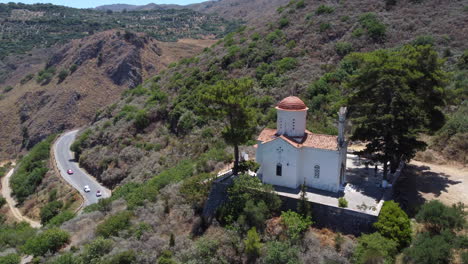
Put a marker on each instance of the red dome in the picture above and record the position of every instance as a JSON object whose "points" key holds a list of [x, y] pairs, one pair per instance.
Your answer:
{"points": [[291, 103]]}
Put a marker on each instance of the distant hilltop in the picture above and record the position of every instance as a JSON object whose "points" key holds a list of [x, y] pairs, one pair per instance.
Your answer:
{"points": [[151, 6]]}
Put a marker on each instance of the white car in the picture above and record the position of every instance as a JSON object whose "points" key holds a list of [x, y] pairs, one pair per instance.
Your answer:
{"points": [[98, 193], [86, 188]]}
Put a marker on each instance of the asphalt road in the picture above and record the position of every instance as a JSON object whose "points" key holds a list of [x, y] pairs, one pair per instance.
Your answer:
{"points": [[80, 178]]}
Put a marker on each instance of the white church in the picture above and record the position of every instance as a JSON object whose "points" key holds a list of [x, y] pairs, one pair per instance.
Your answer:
{"points": [[291, 154]]}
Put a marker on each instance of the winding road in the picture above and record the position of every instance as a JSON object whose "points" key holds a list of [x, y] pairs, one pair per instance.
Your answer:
{"points": [[65, 160]]}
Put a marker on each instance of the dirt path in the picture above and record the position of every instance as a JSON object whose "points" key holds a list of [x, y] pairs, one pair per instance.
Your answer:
{"points": [[6, 193], [421, 182]]}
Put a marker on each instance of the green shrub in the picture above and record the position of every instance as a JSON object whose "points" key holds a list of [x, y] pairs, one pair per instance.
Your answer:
{"points": [[141, 120], [50, 210], [250, 202], [73, 68], [438, 217], [255, 36], [61, 218], [278, 252], [31, 170], [300, 4], [295, 223], [126, 257], [62, 75], [78, 144], [428, 249], [27, 78], [323, 9], [423, 40], [252, 244], [358, 32], [374, 248], [375, 29], [324, 27], [10, 259], [7, 89], [283, 22], [464, 257], [96, 249], [15, 235], [196, 189], [394, 224], [285, 64], [113, 224], [343, 48], [45, 76], [50, 240], [342, 202], [2, 201]]}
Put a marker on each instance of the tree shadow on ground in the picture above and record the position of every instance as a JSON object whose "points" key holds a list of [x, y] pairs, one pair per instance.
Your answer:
{"points": [[414, 182], [366, 181]]}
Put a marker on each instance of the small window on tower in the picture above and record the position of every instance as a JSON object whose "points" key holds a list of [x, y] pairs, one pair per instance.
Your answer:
{"points": [[279, 169], [316, 171]]}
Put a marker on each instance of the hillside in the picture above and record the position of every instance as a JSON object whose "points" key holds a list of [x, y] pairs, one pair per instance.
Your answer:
{"points": [[247, 10], [42, 25], [285, 56], [157, 148], [79, 78]]}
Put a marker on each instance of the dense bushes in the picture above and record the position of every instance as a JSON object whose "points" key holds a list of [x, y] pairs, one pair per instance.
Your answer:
{"points": [[10, 259], [438, 240], [77, 145], [114, 224], [374, 248], [438, 217], [295, 224], [45, 76], [375, 29], [15, 235], [31, 170], [250, 203], [50, 210], [343, 48], [394, 224], [50, 240]]}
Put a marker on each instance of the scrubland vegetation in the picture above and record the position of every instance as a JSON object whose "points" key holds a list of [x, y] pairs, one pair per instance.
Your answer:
{"points": [[159, 145], [43, 25], [31, 169]]}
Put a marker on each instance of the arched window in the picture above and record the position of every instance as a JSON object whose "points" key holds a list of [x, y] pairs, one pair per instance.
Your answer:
{"points": [[279, 169], [316, 171]]}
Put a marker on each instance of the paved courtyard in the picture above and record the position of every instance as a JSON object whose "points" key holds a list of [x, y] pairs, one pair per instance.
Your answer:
{"points": [[362, 191]]}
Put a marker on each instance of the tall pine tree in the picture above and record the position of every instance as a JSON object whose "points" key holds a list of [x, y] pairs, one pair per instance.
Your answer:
{"points": [[394, 96]]}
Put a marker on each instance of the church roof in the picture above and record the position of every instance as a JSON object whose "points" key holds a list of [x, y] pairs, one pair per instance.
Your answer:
{"points": [[291, 103], [310, 140]]}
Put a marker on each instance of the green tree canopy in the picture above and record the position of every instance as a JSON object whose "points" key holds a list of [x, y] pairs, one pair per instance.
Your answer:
{"points": [[428, 249], [252, 244], [231, 101], [374, 248], [437, 216], [394, 224], [394, 96]]}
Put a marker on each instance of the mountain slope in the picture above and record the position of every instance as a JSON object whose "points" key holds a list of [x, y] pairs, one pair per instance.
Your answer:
{"points": [[248, 10], [284, 56], [97, 69]]}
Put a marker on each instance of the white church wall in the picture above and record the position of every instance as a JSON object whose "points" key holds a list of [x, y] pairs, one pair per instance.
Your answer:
{"points": [[291, 123], [279, 152], [329, 176]]}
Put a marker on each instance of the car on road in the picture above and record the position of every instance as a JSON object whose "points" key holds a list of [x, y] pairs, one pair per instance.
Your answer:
{"points": [[98, 193], [86, 188], [70, 172]]}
